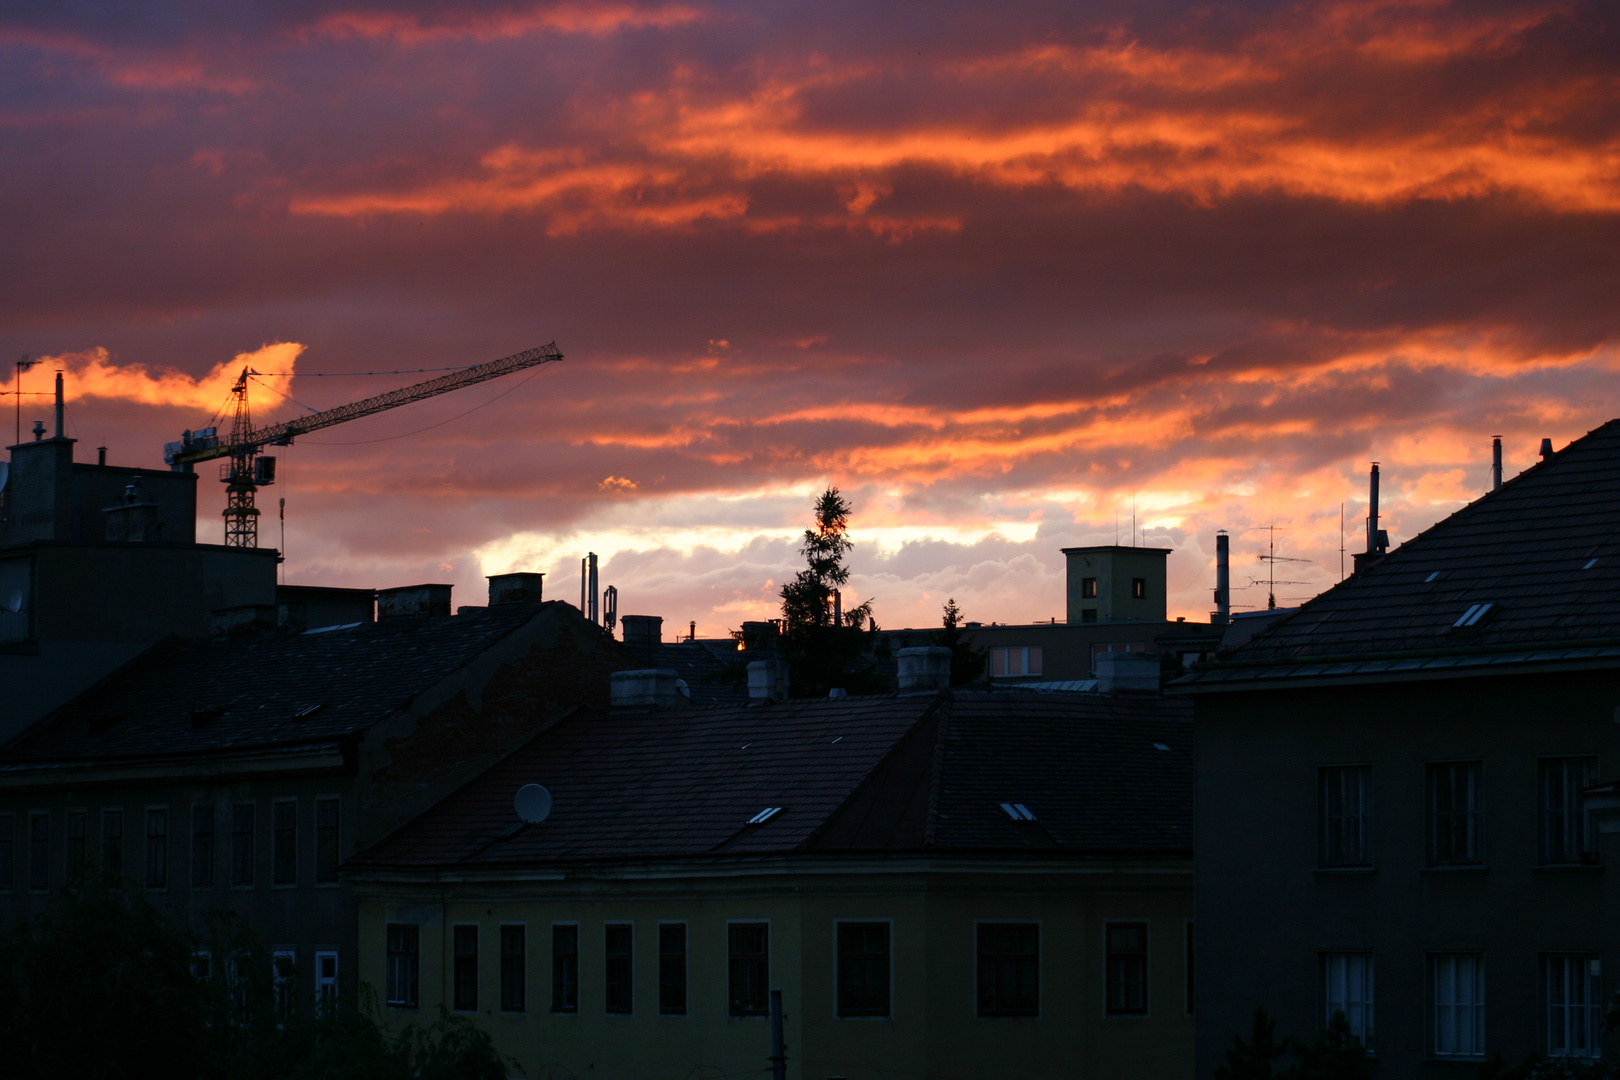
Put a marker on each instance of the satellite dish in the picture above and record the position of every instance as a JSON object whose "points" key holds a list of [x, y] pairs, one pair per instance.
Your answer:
{"points": [[533, 804], [5, 474]]}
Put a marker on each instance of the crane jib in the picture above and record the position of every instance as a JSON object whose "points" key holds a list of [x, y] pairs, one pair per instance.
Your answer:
{"points": [[197, 446]]}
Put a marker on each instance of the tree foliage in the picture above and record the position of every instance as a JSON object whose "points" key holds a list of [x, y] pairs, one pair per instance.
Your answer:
{"points": [[967, 660], [823, 652], [1334, 1054], [104, 986]]}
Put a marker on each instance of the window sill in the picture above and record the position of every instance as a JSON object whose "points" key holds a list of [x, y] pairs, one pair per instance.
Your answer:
{"points": [[1453, 870], [1568, 868], [1336, 871]]}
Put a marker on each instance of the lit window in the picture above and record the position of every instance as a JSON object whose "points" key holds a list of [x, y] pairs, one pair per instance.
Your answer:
{"points": [[1347, 987], [1457, 983], [1574, 1005]]}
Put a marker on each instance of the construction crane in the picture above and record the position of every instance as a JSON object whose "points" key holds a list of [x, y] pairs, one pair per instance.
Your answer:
{"points": [[250, 469]]}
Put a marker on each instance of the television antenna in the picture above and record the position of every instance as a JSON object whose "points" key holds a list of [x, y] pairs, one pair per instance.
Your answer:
{"points": [[1271, 559]]}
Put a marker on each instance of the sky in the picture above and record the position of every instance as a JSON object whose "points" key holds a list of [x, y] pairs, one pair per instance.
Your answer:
{"points": [[1013, 276]]}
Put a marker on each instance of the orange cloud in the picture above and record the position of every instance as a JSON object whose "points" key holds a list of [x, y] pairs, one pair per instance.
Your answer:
{"points": [[417, 30], [95, 374]]}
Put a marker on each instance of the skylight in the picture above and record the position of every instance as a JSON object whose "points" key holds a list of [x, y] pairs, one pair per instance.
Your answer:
{"points": [[1433, 574], [1017, 811], [765, 815], [1473, 615], [1160, 746]]}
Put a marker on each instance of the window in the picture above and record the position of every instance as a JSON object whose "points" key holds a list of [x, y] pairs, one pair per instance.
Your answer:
{"points": [[1009, 969], [404, 964], [242, 844], [1574, 1005], [1347, 987], [672, 969], [8, 863], [283, 969], [1454, 814], [863, 969], [1138, 588], [202, 846], [1088, 615], [465, 990], [39, 852], [1346, 816], [326, 841], [73, 828], [514, 971], [1458, 985], [1567, 833], [1126, 969], [326, 982], [1015, 660], [284, 843], [202, 965], [157, 848], [748, 951], [112, 841], [618, 972], [565, 968], [1088, 588]]}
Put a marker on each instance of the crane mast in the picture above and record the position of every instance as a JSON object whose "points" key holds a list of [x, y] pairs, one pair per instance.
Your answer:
{"points": [[249, 469]]}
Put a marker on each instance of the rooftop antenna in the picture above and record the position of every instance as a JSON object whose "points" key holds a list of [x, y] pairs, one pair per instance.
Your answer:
{"points": [[1271, 559], [22, 365]]}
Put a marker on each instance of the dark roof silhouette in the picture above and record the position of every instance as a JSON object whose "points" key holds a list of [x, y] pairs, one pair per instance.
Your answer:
{"points": [[921, 773], [1543, 551]]}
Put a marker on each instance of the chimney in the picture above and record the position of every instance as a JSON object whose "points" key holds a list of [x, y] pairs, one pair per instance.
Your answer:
{"points": [[1496, 462], [407, 600], [1546, 449], [657, 687], [520, 588], [610, 608], [1223, 579], [757, 636], [924, 669], [643, 634], [768, 679], [1128, 672], [101, 455], [1372, 512], [60, 406]]}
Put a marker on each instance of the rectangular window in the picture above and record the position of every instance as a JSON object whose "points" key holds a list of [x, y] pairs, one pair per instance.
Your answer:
{"points": [[863, 969], [748, 953], [1567, 832], [565, 968], [283, 969], [1088, 588], [1088, 615], [1574, 1005], [514, 968], [39, 852], [1454, 814], [1138, 588], [1347, 987], [326, 841], [466, 969], [1009, 969], [618, 958], [672, 969], [404, 964], [242, 844], [202, 845], [1345, 812], [284, 843], [1126, 963], [326, 982], [8, 844], [112, 841], [157, 849], [1457, 981], [1015, 660], [73, 829]]}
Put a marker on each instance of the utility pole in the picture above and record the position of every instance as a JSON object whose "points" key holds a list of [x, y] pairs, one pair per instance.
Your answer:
{"points": [[778, 1047]]}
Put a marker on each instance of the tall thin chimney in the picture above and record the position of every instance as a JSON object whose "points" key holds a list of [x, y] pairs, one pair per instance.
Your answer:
{"points": [[594, 613], [59, 405], [1496, 462], [1546, 445], [1223, 578], [1372, 511]]}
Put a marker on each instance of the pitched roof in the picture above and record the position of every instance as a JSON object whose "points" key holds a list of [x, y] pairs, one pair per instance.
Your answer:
{"points": [[893, 773], [1543, 551], [188, 697]]}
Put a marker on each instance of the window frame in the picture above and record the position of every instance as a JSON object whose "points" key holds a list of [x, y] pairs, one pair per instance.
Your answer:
{"points": [[244, 853], [887, 1012], [39, 852], [1587, 845], [520, 967], [1146, 958], [977, 945], [74, 867], [409, 964], [283, 844], [464, 971], [203, 869], [1593, 1007], [112, 854], [284, 982], [1326, 834], [732, 959], [1139, 588], [327, 986], [335, 803], [1088, 588], [618, 969], [559, 982], [1368, 1036], [664, 1008], [156, 869], [1435, 959], [1438, 859]]}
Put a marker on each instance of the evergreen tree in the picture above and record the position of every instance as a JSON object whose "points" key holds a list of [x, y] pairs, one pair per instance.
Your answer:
{"points": [[1257, 1058], [823, 653], [967, 661]]}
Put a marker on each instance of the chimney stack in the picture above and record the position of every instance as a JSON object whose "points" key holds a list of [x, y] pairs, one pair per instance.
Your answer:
{"points": [[1223, 579], [60, 406], [648, 687], [768, 679], [519, 588], [924, 669], [1496, 462], [414, 600], [1546, 449], [1377, 539]]}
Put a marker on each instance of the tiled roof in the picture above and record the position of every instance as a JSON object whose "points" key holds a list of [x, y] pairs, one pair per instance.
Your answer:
{"points": [[188, 697], [713, 671], [1543, 551], [893, 773]]}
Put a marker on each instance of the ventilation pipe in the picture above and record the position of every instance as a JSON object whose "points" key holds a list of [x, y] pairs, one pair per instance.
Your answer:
{"points": [[60, 406], [1223, 579], [1496, 462], [587, 587], [1546, 444], [1372, 511]]}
